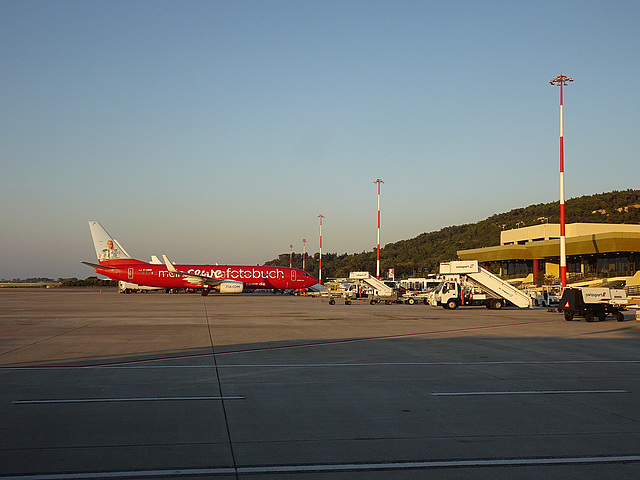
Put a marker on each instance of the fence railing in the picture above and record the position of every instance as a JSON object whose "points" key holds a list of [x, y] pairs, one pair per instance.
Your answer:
{"points": [[632, 289]]}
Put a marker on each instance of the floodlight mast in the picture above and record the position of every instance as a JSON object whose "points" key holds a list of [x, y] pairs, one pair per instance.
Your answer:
{"points": [[378, 181], [320, 260], [304, 251], [562, 80]]}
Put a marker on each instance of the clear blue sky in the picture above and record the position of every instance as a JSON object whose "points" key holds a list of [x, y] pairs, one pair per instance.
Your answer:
{"points": [[217, 131]]}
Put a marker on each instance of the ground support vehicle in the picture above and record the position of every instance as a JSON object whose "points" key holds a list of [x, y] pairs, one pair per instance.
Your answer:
{"points": [[469, 284], [413, 296], [359, 285], [346, 289], [418, 289], [425, 295], [546, 295], [456, 293], [592, 303], [128, 287], [378, 290]]}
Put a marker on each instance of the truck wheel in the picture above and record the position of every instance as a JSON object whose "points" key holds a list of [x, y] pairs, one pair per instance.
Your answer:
{"points": [[602, 316], [332, 301], [411, 301], [347, 302], [372, 302], [589, 317], [568, 316], [620, 316], [452, 304], [425, 301], [497, 304]]}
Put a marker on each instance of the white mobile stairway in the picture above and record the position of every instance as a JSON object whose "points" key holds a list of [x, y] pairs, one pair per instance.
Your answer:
{"points": [[486, 281], [382, 291]]}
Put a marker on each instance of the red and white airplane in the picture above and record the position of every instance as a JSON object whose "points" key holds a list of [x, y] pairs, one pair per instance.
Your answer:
{"points": [[115, 263]]}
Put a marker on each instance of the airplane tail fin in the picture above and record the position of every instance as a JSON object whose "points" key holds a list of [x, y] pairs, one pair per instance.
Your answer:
{"points": [[107, 248]]}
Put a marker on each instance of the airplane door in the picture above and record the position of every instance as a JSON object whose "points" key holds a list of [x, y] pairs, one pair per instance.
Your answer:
{"points": [[130, 274], [293, 275]]}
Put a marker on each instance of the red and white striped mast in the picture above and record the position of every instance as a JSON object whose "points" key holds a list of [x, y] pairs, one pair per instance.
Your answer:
{"points": [[320, 262], [290, 256], [378, 181], [562, 80]]}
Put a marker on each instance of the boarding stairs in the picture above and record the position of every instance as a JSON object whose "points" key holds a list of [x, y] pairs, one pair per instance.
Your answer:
{"points": [[487, 281]]}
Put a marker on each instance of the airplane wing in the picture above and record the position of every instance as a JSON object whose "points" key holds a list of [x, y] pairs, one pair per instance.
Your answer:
{"points": [[199, 280]]}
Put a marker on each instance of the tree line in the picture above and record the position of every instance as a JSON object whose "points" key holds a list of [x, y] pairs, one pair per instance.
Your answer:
{"points": [[422, 255], [66, 282]]}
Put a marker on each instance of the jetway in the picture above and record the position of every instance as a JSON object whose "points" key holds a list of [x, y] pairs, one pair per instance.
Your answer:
{"points": [[486, 281]]}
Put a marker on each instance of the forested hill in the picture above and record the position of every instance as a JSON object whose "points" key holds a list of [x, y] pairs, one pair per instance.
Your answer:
{"points": [[423, 254]]}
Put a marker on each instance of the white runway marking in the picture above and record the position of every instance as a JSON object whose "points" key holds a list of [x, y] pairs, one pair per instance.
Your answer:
{"points": [[131, 399], [322, 365], [124, 474], [342, 467], [400, 364], [524, 392]]}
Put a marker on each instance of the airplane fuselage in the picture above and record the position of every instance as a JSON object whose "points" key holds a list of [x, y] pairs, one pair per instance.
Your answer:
{"points": [[157, 275]]}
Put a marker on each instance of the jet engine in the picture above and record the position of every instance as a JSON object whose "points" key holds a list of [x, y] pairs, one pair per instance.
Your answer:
{"points": [[229, 286]]}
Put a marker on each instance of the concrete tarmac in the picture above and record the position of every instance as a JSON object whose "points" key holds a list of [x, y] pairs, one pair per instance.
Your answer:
{"points": [[143, 386]]}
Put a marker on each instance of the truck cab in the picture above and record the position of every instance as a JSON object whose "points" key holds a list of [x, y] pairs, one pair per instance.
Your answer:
{"points": [[451, 294], [447, 295]]}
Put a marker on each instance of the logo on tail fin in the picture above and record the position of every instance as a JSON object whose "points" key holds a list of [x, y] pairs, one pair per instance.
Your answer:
{"points": [[110, 252]]}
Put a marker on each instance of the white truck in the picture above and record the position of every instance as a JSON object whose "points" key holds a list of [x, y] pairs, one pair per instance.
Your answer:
{"points": [[128, 287], [592, 302], [425, 286], [469, 284], [546, 295]]}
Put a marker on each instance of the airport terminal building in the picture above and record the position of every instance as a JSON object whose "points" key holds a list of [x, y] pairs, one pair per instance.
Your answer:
{"points": [[594, 250]]}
